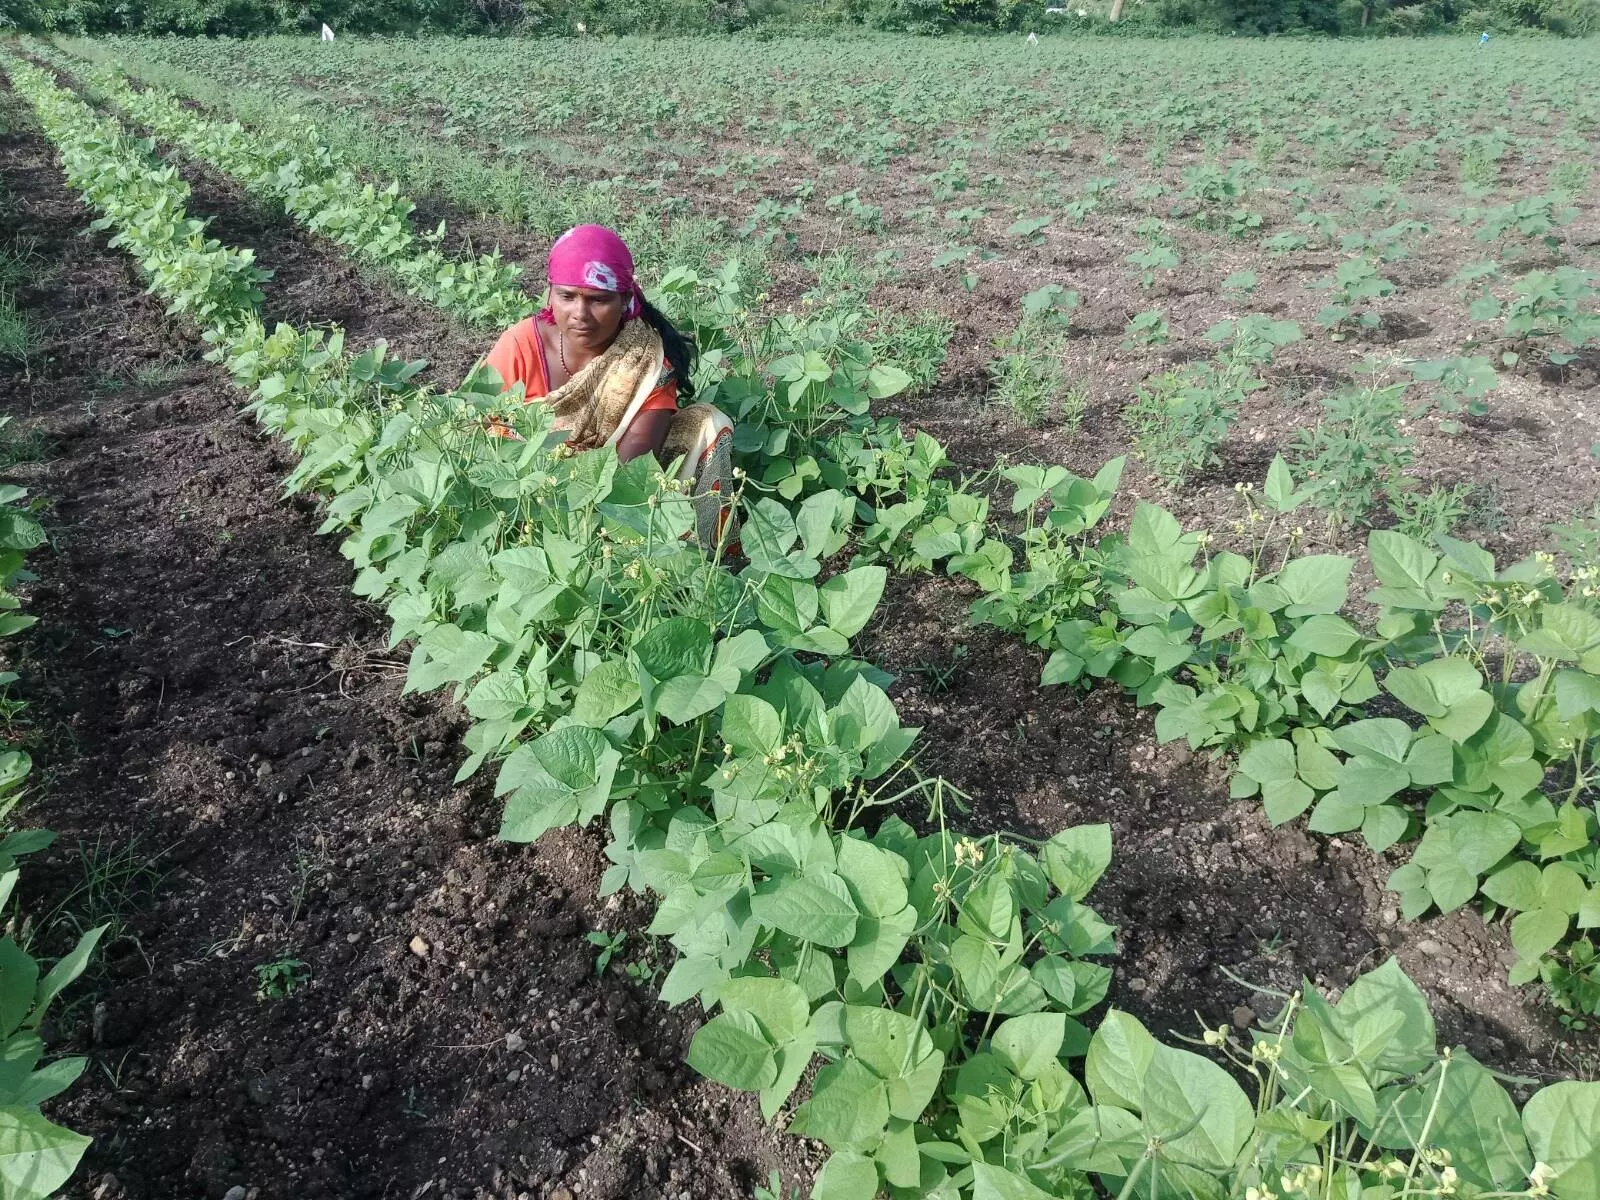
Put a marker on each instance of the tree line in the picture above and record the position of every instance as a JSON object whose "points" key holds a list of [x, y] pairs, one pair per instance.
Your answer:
{"points": [[1108, 17]]}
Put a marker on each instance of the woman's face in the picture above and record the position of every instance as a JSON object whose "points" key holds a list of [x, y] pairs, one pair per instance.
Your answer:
{"points": [[587, 317]]}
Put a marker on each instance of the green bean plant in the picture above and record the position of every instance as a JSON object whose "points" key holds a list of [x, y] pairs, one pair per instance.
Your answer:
{"points": [[1354, 282], [1054, 602], [1550, 317]]}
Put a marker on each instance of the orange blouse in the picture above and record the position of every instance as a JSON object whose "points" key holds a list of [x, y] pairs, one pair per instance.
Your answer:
{"points": [[519, 358]]}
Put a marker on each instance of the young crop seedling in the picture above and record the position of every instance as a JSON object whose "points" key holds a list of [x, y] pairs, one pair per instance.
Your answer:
{"points": [[1242, 221], [1552, 315], [1029, 374], [280, 978], [608, 944], [1146, 329], [1463, 382], [1241, 284], [1029, 229], [1151, 260], [1356, 453], [948, 181], [1353, 283], [1535, 218]]}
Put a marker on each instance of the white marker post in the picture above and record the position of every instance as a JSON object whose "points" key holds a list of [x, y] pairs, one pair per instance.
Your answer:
{"points": [[327, 34]]}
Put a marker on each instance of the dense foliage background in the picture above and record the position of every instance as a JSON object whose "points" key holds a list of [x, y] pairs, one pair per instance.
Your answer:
{"points": [[1372, 17]]}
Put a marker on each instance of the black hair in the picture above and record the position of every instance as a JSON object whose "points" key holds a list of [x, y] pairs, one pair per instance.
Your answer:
{"points": [[680, 349]]}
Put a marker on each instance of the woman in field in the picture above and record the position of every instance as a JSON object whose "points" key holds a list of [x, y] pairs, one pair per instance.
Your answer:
{"points": [[614, 370]]}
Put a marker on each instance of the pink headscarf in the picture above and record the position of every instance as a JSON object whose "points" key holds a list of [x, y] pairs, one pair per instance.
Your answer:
{"points": [[593, 256]]}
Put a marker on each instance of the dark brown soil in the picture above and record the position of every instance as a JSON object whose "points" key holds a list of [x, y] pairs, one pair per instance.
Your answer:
{"points": [[212, 707]]}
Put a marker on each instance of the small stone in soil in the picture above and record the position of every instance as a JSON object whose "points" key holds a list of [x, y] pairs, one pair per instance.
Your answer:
{"points": [[419, 947], [1243, 1018], [515, 1042]]}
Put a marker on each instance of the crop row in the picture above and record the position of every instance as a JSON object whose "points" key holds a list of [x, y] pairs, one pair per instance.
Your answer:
{"points": [[861, 103], [1220, 193], [974, 181], [936, 975], [322, 177], [427, 167], [1256, 654], [1181, 416], [563, 589], [299, 174]]}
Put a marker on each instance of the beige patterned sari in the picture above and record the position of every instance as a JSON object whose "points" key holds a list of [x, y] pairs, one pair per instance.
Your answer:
{"points": [[597, 405]]}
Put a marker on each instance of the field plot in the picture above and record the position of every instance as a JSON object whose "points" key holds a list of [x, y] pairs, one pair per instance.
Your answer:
{"points": [[1378, 196], [1308, 681]]}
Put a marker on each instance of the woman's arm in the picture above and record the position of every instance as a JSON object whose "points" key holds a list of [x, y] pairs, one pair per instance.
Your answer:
{"points": [[646, 434], [515, 358]]}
